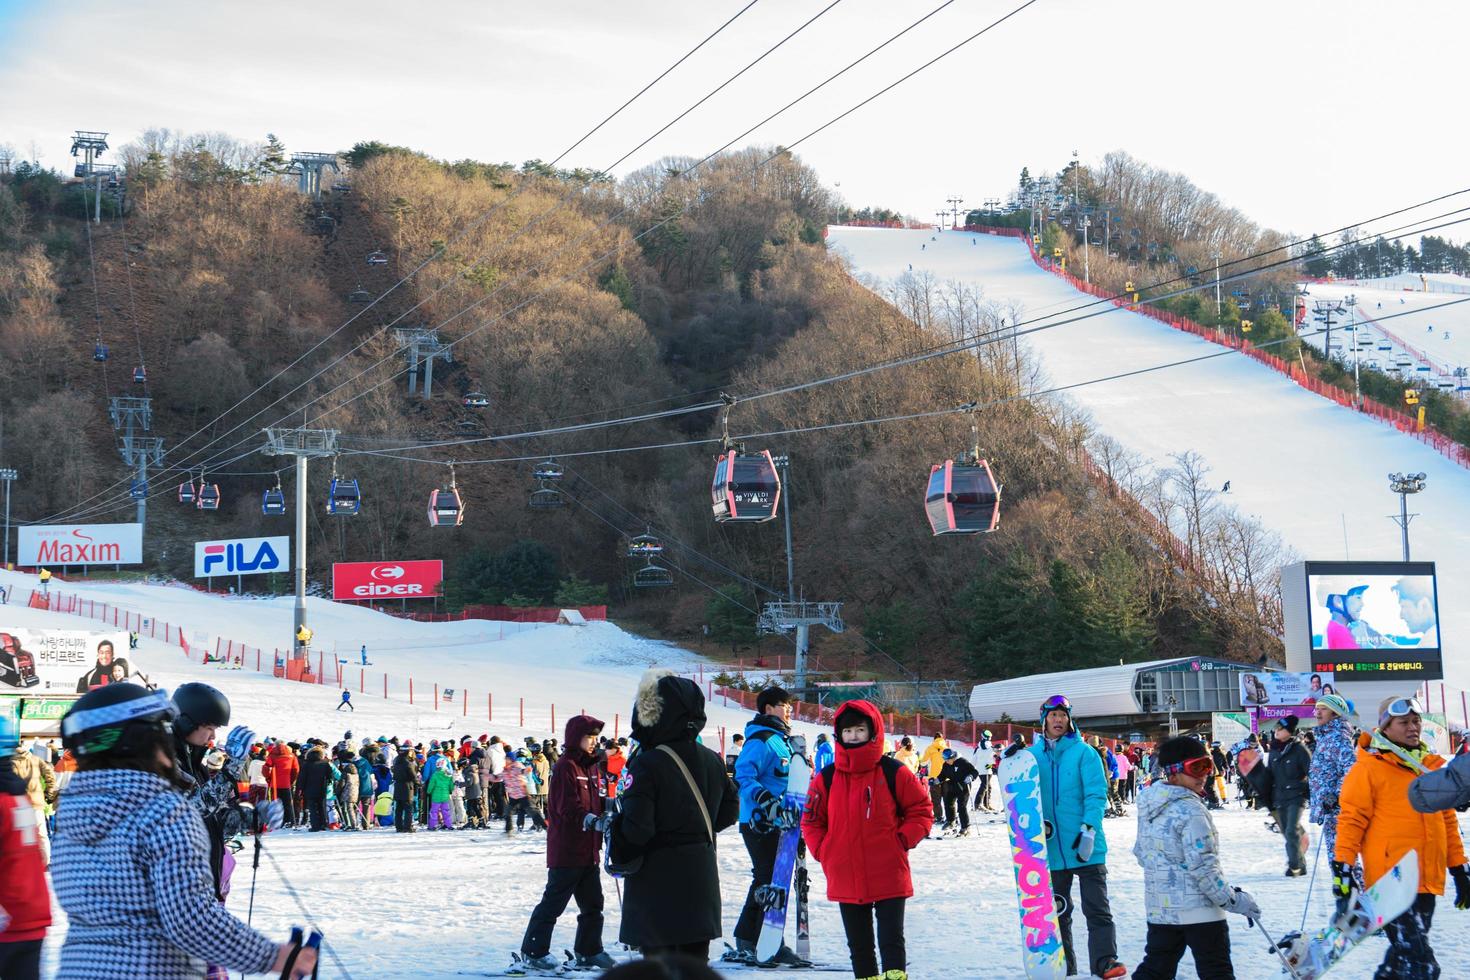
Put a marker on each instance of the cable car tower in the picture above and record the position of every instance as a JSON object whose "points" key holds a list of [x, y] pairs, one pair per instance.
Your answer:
{"points": [[420, 346], [308, 168], [132, 418], [90, 145], [301, 444]]}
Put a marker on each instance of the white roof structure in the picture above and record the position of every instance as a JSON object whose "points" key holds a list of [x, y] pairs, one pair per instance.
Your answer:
{"points": [[571, 617], [1095, 692]]}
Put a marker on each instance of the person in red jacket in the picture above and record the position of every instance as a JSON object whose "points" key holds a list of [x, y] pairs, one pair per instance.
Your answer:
{"points": [[281, 769], [573, 847], [25, 902], [864, 813]]}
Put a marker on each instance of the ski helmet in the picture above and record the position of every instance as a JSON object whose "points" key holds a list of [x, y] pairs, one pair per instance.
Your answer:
{"points": [[120, 718], [198, 705], [986, 733]]}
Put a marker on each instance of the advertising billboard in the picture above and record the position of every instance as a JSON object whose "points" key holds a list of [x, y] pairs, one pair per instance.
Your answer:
{"points": [[39, 662], [1284, 687], [1363, 620], [359, 581], [241, 556], [80, 544]]}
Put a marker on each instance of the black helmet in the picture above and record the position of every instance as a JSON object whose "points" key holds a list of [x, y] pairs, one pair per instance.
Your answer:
{"points": [[120, 718], [198, 705]]}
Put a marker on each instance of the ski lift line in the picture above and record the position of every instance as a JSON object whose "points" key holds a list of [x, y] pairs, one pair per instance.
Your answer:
{"points": [[947, 348], [414, 272], [616, 249]]}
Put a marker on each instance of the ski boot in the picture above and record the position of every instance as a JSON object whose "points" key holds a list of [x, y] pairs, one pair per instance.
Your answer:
{"points": [[1109, 968], [742, 952], [534, 966], [597, 961]]}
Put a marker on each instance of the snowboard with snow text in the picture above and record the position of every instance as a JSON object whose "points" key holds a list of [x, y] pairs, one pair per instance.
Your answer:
{"points": [[773, 897], [1042, 954], [1385, 900]]}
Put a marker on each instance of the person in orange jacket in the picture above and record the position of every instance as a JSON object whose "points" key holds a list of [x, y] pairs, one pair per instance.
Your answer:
{"points": [[281, 769], [1377, 822]]}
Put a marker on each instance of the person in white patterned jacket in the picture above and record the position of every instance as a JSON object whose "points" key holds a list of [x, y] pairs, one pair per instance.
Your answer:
{"points": [[130, 864]]}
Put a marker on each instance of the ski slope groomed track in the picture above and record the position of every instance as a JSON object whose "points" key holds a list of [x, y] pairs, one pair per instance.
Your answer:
{"points": [[1310, 470], [442, 905]]}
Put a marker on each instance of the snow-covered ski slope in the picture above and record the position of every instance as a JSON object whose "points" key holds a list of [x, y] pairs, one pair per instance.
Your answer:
{"points": [[1400, 326], [1311, 470]]}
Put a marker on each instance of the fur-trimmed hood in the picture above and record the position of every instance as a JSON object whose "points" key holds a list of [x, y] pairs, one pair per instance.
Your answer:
{"points": [[669, 708]]}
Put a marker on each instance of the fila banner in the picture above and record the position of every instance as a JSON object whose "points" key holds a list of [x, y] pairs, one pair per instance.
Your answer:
{"points": [[241, 556], [80, 544], [360, 580]]}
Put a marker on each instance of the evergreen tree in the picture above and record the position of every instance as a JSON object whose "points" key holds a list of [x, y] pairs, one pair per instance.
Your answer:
{"points": [[895, 628], [577, 591], [272, 160], [1315, 264], [729, 617]]}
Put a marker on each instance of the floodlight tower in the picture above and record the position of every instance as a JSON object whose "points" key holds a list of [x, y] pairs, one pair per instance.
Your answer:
{"points": [[1403, 485], [301, 444]]}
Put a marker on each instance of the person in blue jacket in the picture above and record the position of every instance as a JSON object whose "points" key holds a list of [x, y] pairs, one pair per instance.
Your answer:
{"points": [[1074, 793], [823, 755], [760, 774]]}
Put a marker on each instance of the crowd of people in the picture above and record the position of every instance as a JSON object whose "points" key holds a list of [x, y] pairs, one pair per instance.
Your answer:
{"points": [[136, 811]]}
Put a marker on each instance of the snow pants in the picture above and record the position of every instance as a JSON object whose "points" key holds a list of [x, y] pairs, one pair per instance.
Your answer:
{"points": [[21, 960], [982, 794], [403, 814], [1409, 955], [1092, 883], [857, 923], [1208, 941], [521, 809], [316, 808], [762, 850], [1289, 819], [954, 805], [439, 816], [563, 884]]}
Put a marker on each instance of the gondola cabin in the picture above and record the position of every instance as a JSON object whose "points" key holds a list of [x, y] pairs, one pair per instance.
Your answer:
{"points": [[446, 508], [746, 487], [208, 496], [652, 576], [962, 499], [138, 490], [140, 376], [186, 492], [273, 503], [99, 352], [344, 499]]}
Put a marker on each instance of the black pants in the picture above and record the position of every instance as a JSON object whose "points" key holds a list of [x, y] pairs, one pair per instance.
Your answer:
{"points": [[762, 850], [347, 705], [521, 809], [562, 884], [1092, 883], [1208, 941], [954, 805], [316, 808], [495, 792], [982, 792], [288, 807], [857, 922], [403, 814], [474, 810], [1409, 955], [695, 951], [20, 961]]}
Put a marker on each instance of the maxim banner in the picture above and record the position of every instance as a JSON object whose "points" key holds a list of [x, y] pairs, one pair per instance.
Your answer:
{"points": [[80, 544]]}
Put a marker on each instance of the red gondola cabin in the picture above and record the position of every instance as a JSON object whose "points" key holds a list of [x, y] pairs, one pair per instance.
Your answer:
{"points": [[746, 487], [962, 499]]}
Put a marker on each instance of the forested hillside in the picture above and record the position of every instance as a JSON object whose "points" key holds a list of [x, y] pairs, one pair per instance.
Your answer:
{"points": [[570, 299]]}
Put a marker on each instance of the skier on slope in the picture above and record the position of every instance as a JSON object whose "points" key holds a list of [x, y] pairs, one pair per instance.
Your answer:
{"points": [[1074, 793], [1377, 822], [864, 813], [1336, 751], [760, 774], [131, 861], [1185, 892], [573, 842]]}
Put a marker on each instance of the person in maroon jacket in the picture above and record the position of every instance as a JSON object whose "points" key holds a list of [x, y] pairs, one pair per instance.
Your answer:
{"points": [[864, 813], [573, 848], [25, 902]]}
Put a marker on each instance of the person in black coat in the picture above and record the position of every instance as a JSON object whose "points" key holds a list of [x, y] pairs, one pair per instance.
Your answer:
{"points": [[672, 903], [316, 776], [1290, 764], [955, 777], [405, 781]]}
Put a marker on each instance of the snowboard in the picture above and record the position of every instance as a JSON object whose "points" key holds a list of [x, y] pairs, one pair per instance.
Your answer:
{"points": [[1309, 957], [801, 880], [773, 897], [1042, 954]]}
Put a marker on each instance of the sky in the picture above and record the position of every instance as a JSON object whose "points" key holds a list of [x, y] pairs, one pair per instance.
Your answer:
{"points": [[1306, 115]]}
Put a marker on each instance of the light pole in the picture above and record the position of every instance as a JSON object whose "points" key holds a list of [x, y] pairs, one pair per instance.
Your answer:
{"points": [[8, 476], [1403, 486], [1351, 300]]}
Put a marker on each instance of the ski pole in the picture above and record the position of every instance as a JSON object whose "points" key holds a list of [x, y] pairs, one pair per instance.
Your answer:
{"points": [[1312, 880], [1276, 948]]}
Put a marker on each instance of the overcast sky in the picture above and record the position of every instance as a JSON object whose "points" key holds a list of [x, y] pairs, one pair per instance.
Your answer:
{"points": [[1305, 114]]}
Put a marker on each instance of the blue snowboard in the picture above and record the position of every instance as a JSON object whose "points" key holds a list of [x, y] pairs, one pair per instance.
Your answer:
{"points": [[775, 895]]}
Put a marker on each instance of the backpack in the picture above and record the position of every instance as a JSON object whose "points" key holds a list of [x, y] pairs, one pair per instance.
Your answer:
{"points": [[887, 763]]}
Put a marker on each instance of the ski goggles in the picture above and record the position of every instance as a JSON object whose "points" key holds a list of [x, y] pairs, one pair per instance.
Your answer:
{"points": [[1200, 767], [1398, 708], [1057, 702]]}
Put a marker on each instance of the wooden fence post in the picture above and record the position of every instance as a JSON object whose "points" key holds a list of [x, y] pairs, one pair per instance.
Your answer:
{"points": [[410, 689]]}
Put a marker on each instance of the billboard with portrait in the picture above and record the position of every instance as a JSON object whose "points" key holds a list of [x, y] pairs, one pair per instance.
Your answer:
{"points": [[1366, 609], [37, 662], [1283, 687]]}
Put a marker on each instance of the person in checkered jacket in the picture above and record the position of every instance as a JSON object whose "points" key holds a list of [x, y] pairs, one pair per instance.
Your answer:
{"points": [[130, 863]]}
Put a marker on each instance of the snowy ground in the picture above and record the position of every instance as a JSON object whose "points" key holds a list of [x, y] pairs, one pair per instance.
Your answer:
{"points": [[1422, 339], [1308, 469]]}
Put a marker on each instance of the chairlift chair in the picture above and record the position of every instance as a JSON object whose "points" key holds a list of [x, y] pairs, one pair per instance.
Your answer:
{"points": [[99, 352], [476, 399], [446, 506], [652, 576], [644, 545], [186, 491], [359, 295], [549, 470], [546, 497], [208, 496], [140, 376], [377, 257]]}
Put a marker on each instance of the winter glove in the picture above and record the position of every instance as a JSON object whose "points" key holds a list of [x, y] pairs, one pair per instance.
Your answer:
{"points": [[593, 822], [239, 741], [1462, 886], [770, 814], [1084, 843], [1329, 804], [1012, 749], [1242, 903], [1343, 885], [214, 760]]}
